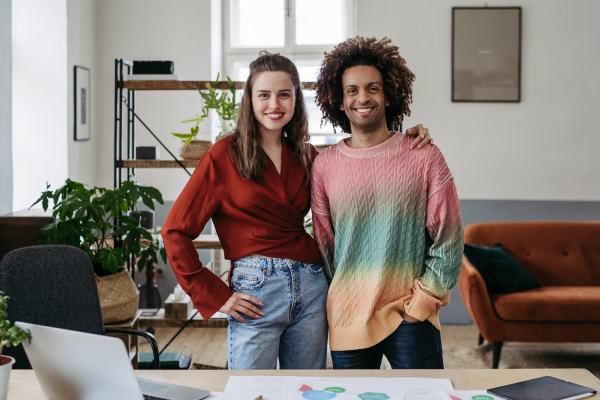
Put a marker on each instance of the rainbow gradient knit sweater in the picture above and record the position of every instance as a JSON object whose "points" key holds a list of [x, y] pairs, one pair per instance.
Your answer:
{"points": [[387, 222]]}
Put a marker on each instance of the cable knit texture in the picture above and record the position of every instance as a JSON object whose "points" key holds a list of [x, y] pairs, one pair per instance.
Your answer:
{"points": [[388, 225]]}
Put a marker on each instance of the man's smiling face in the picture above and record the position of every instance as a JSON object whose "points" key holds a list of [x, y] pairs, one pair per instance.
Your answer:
{"points": [[364, 100]]}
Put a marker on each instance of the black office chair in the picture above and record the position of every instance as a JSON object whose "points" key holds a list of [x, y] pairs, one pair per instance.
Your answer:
{"points": [[55, 286]]}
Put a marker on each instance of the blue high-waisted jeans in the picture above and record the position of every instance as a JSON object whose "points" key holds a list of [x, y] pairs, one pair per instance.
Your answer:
{"points": [[294, 327], [414, 345]]}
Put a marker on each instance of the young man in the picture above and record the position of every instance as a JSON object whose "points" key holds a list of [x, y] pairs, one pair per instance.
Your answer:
{"points": [[386, 218]]}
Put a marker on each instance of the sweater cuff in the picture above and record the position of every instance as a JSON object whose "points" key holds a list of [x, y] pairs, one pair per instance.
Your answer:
{"points": [[209, 293], [422, 304]]}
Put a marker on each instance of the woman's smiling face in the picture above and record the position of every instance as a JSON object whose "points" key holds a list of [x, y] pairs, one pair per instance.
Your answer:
{"points": [[273, 100]]}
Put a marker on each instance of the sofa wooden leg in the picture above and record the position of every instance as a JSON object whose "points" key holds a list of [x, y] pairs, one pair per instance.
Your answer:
{"points": [[497, 350], [480, 339]]}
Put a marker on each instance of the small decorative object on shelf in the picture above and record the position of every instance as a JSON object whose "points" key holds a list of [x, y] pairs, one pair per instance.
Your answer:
{"points": [[154, 67], [9, 336], [147, 152], [145, 218], [178, 305]]}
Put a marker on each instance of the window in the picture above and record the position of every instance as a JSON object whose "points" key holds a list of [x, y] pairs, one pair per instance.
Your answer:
{"points": [[301, 30]]}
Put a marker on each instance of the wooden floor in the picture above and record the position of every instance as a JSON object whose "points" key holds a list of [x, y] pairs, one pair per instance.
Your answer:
{"points": [[207, 346]]}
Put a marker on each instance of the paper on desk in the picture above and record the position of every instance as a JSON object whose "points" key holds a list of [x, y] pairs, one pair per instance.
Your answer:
{"points": [[471, 395], [214, 396], [313, 390], [279, 388]]}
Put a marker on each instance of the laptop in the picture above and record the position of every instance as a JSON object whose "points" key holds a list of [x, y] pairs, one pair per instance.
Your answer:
{"points": [[71, 365]]}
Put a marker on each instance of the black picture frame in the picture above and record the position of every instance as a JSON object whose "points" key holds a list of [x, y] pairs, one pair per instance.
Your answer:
{"points": [[82, 128], [493, 75]]}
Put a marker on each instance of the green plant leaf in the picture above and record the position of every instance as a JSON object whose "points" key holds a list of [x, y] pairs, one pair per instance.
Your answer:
{"points": [[111, 259], [127, 220], [182, 135]]}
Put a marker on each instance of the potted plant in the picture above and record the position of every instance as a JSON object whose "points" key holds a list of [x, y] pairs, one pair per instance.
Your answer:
{"points": [[9, 336], [94, 221], [226, 107]]}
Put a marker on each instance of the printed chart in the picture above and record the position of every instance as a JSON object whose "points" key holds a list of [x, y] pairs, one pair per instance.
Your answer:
{"points": [[311, 390]]}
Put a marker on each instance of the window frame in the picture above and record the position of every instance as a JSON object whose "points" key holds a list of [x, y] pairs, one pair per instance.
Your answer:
{"points": [[290, 49], [296, 53]]}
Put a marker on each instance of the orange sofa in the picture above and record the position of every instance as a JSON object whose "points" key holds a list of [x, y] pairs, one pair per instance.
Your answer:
{"points": [[564, 257]]}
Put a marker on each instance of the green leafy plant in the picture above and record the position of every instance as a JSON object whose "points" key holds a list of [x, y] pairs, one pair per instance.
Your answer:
{"points": [[10, 335], [223, 103], [308, 226], [85, 218]]}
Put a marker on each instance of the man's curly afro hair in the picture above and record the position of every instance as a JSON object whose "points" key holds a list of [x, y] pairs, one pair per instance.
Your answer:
{"points": [[381, 54]]}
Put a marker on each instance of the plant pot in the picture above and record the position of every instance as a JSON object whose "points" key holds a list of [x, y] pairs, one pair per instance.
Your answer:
{"points": [[119, 297], [195, 149], [6, 363]]}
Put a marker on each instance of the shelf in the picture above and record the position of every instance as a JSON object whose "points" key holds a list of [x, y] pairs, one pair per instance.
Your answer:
{"points": [[158, 163], [201, 242], [207, 242], [188, 85]]}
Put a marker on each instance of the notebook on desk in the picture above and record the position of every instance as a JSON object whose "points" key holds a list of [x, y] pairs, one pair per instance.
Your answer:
{"points": [[544, 388], [72, 365]]}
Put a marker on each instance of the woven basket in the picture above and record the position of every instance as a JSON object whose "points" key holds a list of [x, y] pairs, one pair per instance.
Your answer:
{"points": [[195, 149], [321, 147], [119, 297]]}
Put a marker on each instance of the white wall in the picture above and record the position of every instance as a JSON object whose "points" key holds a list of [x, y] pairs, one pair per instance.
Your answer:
{"points": [[543, 148], [6, 171], [39, 115], [151, 30], [81, 42]]}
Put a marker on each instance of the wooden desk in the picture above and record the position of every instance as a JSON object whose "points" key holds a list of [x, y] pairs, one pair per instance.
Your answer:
{"points": [[23, 384], [159, 321]]}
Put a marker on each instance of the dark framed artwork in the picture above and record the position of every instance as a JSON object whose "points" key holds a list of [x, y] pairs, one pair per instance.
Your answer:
{"points": [[486, 54], [82, 120]]}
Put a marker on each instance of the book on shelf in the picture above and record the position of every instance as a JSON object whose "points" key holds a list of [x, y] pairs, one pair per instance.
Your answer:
{"points": [[175, 360], [153, 77]]}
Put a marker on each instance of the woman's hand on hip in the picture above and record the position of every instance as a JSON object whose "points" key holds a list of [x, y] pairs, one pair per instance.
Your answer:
{"points": [[242, 303]]}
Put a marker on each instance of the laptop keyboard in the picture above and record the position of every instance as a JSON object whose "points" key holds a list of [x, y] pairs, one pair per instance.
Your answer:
{"points": [[148, 397]]}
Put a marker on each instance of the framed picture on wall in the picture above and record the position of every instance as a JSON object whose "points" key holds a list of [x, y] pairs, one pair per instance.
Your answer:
{"points": [[82, 128], [486, 54]]}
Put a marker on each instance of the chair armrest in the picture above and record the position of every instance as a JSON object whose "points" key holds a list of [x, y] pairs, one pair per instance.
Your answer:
{"points": [[477, 301], [148, 337]]}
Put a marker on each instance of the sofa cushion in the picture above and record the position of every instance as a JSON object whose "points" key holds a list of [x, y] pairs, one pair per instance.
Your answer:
{"points": [[500, 271], [551, 304]]}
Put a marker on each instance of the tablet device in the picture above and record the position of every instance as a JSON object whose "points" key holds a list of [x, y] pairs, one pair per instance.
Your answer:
{"points": [[544, 388]]}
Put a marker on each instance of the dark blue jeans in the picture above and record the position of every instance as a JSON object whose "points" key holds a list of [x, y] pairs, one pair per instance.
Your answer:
{"points": [[415, 345]]}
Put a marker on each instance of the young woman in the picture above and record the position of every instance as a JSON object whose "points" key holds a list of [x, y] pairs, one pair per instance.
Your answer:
{"points": [[254, 184]]}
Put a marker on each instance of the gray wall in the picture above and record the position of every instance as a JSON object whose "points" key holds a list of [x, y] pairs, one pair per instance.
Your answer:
{"points": [[6, 168]]}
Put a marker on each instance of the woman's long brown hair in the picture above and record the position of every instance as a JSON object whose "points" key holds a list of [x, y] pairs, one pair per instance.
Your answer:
{"points": [[246, 150]]}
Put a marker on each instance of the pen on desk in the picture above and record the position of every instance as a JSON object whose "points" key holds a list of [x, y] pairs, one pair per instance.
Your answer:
{"points": [[258, 398]]}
